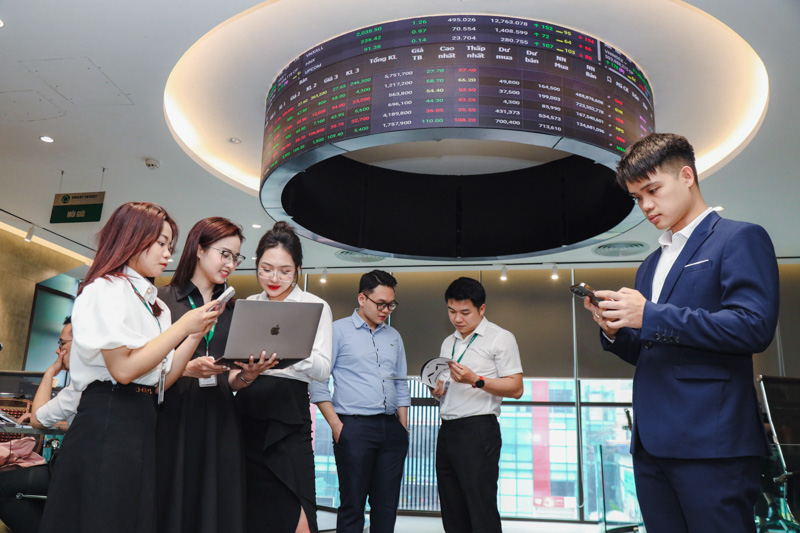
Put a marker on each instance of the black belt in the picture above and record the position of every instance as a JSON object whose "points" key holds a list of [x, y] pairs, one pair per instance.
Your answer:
{"points": [[130, 388], [369, 416], [468, 420]]}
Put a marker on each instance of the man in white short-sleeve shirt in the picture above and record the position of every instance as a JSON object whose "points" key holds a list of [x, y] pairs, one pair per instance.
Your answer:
{"points": [[485, 368]]}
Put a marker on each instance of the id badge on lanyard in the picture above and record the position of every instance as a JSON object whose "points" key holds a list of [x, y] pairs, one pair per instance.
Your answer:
{"points": [[212, 380]]}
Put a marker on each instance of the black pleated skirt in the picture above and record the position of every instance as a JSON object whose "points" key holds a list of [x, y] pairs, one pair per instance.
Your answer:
{"points": [[104, 479], [276, 428]]}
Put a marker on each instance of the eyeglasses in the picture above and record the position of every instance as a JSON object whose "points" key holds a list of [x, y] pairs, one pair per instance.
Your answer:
{"points": [[62, 342], [381, 306], [268, 273], [229, 257]]}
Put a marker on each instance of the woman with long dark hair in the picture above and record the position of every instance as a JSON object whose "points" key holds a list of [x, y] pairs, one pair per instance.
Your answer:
{"points": [[200, 463], [276, 420], [123, 357]]}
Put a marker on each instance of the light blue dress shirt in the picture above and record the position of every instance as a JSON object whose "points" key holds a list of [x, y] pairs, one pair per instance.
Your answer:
{"points": [[363, 360]]}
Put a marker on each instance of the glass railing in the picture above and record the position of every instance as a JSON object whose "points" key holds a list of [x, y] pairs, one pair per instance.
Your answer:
{"points": [[617, 506]]}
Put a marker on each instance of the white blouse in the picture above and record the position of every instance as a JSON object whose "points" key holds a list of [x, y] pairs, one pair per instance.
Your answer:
{"points": [[317, 366], [108, 314]]}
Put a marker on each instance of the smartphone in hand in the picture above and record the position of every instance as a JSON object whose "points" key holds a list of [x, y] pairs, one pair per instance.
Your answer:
{"points": [[224, 297], [583, 290]]}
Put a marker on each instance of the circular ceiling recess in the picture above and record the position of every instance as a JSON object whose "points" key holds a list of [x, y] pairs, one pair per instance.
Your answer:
{"points": [[362, 117], [475, 170]]}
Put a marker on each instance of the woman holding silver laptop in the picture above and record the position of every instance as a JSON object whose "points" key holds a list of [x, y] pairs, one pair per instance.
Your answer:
{"points": [[276, 420], [200, 466]]}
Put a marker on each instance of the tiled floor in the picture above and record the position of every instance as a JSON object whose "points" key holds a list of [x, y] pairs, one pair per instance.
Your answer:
{"points": [[416, 524]]}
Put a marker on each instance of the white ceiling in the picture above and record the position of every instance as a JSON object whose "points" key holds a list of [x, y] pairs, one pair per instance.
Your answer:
{"points": [[92, 76]]}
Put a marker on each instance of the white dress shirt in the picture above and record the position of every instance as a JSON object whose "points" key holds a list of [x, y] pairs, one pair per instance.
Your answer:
{"points": [[62, 407], [493, 354], [317, 366], [108, 314], [671, 247]]}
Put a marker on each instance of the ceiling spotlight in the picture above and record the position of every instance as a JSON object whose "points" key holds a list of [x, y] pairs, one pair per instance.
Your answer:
{"points": [[234, 140], [29, 235], [255, 258], [718, 208], [503, 273], [45, 138], [1, 25], [554, 273], [170, 260], [257, 226], [324, 278]]}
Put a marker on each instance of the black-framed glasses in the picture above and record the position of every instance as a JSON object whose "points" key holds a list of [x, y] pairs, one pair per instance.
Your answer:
{"points": [[62, 342], [383, 305], [229, 257]]}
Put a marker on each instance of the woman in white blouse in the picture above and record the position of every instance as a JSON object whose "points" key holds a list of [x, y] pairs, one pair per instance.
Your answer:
{"points": [[123, 355], [276, 420]]}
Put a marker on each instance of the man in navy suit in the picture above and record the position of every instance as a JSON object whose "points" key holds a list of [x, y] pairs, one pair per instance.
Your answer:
{"points": [[704, 303]]}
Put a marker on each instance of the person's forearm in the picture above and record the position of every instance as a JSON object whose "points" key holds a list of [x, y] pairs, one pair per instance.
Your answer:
{"points": [[326, 408], [125, 365], [402, 415], [235, 379], [505, 387], [43, 394], [181, 357]]}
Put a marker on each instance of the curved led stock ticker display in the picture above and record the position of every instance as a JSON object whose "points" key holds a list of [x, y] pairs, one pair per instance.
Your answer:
{"points": [[458, 71]]}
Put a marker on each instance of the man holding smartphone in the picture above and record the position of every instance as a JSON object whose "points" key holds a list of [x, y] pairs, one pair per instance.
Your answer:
{"points": [[703, 304], [485, 367], [368, 413]]}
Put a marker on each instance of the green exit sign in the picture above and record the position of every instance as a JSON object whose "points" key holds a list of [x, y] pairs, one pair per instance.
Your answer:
{"points": [[77, 207]]}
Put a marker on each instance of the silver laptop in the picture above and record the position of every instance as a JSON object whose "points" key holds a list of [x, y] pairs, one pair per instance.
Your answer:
{"points": [[285, 328]]}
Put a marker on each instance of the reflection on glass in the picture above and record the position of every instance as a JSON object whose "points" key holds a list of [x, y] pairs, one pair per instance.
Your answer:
{"points": [[539, 459], [606, 426]]}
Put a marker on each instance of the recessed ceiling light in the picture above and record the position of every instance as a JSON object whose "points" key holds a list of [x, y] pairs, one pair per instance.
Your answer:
{"points": [[170, 260], [257, 226], [718, 208], [234, 140], [2, 23], [254, 259], [46, 139]]}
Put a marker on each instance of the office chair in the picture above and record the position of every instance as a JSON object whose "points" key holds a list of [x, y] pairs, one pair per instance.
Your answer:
{"points": [[782, 403]]}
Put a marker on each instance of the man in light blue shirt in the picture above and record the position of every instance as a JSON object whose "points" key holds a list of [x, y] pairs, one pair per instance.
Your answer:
{"points": [[368, 414]]}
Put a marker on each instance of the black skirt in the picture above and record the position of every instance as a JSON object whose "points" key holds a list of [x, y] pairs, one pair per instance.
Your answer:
{"points": [[105, 476], [276, 428], [200, 464]]}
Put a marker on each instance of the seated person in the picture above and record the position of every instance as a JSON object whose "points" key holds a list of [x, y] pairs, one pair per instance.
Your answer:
{"points": [[23, 515]]}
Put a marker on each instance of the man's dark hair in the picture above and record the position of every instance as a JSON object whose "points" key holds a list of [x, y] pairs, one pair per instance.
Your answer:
{"points": [[466, 289], [656, 151], [371, 280], [68, 320]]}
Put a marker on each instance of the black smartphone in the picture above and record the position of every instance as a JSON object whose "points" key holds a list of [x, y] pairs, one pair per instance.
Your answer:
{"points": [[583, 290]]}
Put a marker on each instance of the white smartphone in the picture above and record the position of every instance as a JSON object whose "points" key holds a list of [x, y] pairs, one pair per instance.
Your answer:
{"points": [[224, 297]]}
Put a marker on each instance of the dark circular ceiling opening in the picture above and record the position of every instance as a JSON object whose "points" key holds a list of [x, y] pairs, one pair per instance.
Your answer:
{"points": [[479, 216]]}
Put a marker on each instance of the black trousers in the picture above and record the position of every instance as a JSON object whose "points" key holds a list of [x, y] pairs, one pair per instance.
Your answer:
{"points": [[467, 467], [22, 515], [369, 460]]}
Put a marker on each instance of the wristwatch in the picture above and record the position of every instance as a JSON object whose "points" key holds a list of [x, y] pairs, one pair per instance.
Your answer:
{"points": [[479, 384]]}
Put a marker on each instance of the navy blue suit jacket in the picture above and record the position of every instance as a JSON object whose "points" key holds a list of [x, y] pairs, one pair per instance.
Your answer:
{"points": [[693, 390]]}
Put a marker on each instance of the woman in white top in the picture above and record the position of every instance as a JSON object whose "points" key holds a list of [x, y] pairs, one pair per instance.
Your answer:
{"points": [[122, 357], [276, 421]]}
